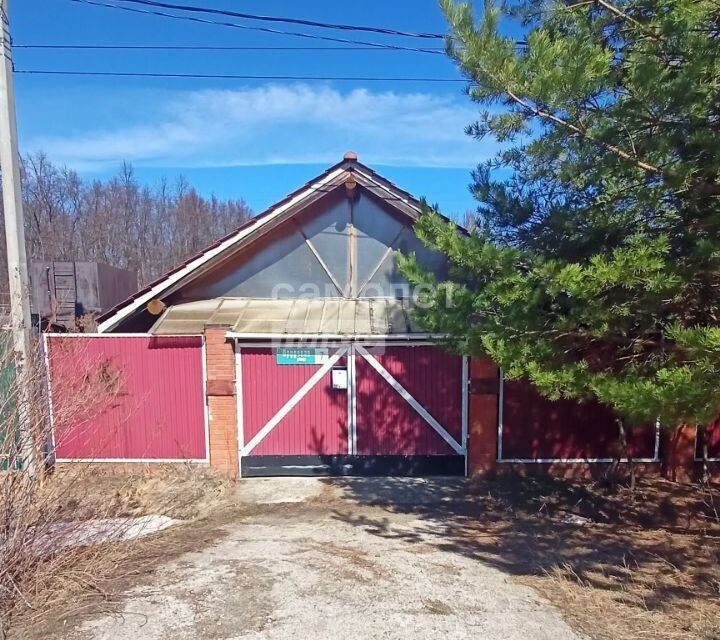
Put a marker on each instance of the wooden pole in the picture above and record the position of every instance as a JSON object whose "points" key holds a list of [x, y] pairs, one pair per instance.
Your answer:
{"points": [[15, 239]]}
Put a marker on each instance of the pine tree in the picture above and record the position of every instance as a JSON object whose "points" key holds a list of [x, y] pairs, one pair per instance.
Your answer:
{"points": [[594, 268]]}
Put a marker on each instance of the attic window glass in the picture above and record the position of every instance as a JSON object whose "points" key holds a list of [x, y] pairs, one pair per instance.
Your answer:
{"points": [[280, 269], [329, 234], [376, 231]]}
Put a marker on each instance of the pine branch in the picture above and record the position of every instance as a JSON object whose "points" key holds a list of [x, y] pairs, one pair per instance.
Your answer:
{"points": [[621, 14], [541, 113]]}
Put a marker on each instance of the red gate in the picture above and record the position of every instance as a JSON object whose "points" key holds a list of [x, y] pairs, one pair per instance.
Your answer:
{"points": [[409, 402], [403, 411], [292, 410], [127, 398]]}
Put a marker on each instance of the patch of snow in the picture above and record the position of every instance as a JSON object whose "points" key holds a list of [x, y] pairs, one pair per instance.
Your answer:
{"points": [[88, 532]]}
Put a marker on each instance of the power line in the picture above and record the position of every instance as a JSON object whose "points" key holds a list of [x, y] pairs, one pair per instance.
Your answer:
{"points": [[299, 21], [228, 76], [145, 47], [235, 25]]}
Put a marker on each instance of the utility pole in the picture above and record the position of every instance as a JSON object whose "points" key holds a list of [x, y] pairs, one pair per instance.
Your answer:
{"points": [[15, 239]]}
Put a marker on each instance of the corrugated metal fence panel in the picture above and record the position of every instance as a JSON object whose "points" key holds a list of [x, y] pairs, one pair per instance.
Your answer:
{"points": [[386, 423], [9, 435], [534, 427], [711, 435], [317, 425], [128, 397]]}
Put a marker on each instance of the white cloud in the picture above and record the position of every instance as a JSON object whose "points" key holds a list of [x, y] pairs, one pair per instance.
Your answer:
{"points": [[295, 124]]}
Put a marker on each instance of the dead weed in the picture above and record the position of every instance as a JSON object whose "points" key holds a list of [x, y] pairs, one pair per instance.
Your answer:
{"points": [[91, 579]]}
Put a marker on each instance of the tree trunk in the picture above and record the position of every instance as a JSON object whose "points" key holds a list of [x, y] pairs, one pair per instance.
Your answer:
{"points": [[622, 452]]}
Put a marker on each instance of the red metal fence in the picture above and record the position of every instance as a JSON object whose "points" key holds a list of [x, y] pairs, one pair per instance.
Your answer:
{"points": [[127, 398], [536, 429], [710, 435], [143, 398]]}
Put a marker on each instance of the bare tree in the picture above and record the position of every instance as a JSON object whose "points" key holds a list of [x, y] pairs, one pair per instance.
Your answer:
{"points": [[119, 221], [470, 221]]}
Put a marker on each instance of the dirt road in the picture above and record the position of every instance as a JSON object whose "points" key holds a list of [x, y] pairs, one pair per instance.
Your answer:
{"points": [[311, 558]]}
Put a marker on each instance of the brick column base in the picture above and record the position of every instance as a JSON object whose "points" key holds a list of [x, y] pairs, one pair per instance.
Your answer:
{"points": [[221, 399], [483, 417], [678, 453]]}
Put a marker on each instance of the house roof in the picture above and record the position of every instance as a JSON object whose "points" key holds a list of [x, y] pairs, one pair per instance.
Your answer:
{"points": [[330, 179], [294, 318]]}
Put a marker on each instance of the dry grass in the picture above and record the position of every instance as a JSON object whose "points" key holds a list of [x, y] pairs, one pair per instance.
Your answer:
{"points": [[646, 595], [612, 603], [181, 491], [92, 579], [644, 565]]}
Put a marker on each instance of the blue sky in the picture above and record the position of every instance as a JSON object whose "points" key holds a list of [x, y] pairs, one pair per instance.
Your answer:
{"points": [[255, 140]]}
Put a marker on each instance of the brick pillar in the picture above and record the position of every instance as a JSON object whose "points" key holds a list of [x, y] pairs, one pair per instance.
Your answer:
{"points": [[678, 453], [222, 407], [483, 417]]}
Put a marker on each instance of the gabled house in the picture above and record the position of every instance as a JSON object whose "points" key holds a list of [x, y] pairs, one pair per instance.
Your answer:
{"points": [[330, 372], [289, 347]]}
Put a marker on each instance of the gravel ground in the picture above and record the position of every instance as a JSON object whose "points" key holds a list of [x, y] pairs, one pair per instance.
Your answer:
{"points": [[308, 558]]}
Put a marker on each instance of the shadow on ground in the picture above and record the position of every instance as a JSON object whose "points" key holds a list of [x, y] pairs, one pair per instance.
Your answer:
{"points": [[658, 547]]}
